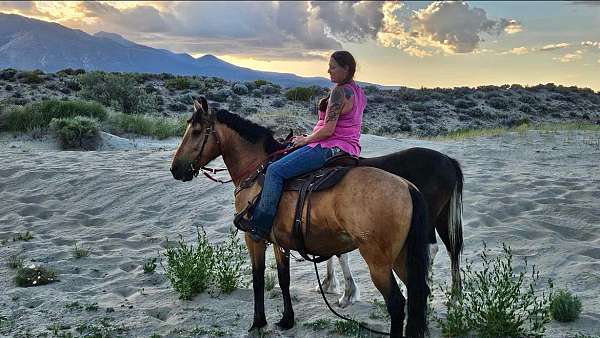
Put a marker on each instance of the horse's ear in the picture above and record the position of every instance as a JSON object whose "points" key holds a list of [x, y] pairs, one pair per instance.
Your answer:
{"points": [[204, 104], [290, 136], [197, 106]]}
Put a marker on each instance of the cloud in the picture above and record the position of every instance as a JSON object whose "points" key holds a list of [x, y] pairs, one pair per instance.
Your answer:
{"points": [[569, 57], [276, 30], [517, 51], [350, 21], [590, 43], [139, 18], [451, 27], [555, 46]]}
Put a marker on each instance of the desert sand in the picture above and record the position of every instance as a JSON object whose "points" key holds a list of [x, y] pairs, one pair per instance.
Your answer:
{"points": [[538, 192]]}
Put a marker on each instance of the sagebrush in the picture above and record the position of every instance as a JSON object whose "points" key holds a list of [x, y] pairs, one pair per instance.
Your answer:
{"points": [[497, 301]]}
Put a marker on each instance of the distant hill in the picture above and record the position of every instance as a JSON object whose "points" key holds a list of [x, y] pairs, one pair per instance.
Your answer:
{"points": [[29, 44]]}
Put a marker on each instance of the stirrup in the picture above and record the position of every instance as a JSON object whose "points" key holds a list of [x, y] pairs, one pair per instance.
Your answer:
{"points": [[240, 221]]}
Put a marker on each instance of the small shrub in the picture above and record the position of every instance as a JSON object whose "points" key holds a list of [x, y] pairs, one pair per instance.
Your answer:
{"points": [[258, 83], [219, 95], [178, 83], [496, 302], [565, 307], [120, 91], [34, 276], [240, 89], [269, 89], [416, 106], [77, 132], [318, 325], [26, 236], [8, 74], [349, 328], [301, 93], [8, 87], [150, 265], [33, 77], [257, 93], [40, 114], [269, 281], [80, 252], [189, 267], [499, 103], [159, 127], [229, 264], [14, 261], [464, 104], [525, 108]]}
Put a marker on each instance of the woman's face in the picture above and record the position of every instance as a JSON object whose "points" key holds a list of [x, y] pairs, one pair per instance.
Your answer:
{"points": [[337, 73]]}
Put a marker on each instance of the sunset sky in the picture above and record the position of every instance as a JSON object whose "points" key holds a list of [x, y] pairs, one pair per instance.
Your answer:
{"points": [[414, 44]]}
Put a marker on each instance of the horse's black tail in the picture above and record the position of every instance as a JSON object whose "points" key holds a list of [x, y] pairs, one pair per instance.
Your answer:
{"points": [[455, 233], [417, 260]]}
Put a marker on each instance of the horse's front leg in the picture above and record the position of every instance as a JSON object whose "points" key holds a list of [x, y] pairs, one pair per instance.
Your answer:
{"points": [[283, 273], [257, 257]]}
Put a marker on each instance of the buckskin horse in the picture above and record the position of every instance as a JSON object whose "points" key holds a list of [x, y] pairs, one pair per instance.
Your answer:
{"points": [[381, 214]]}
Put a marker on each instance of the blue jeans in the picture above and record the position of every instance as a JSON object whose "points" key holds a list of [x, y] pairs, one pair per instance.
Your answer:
{"points": [[301, 161]]}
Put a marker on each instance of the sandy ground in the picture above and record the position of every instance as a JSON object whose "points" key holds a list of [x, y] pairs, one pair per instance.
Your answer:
{"points": [[537, 192]]}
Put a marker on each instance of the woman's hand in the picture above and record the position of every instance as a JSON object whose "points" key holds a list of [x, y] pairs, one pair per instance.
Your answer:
{"points": [[300, 141]]}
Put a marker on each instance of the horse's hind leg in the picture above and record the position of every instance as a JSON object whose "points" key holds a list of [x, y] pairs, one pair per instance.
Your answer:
{"points": [[351, 293], [330, 282], [380, 268], [283, 273], [257, 257]]}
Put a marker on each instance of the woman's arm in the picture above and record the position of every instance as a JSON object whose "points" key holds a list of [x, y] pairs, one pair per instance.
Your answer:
{"points": [[340, 95]]}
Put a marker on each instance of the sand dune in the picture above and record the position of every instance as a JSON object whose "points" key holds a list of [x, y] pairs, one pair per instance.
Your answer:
{"points": [[538, 192]]}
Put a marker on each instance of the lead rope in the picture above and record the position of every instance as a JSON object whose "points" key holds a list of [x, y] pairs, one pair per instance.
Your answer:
{"points": [[339, 315]]}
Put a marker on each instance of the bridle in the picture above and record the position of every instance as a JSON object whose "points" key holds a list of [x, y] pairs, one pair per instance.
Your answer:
{"points": [[253, 170], [206, 170]]}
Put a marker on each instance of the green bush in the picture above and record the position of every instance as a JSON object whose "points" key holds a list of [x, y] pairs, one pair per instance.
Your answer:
{"points": [[39, 114], [34, 276], [189, 268], [159, 127], [79, 132], [33, 77], [301, 93], [565, 307], [229, 263], [496, 302], [120, 91], [178, 83]]}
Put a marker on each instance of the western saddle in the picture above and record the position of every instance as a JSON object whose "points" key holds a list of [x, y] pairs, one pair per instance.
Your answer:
{"points": [[324, 178]]}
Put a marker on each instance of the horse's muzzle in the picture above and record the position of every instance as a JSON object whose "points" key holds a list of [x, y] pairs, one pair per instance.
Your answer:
{"points": [[182, 173]]}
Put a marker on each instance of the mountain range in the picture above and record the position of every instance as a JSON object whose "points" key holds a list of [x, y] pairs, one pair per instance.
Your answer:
{"points": [[29, 44]]}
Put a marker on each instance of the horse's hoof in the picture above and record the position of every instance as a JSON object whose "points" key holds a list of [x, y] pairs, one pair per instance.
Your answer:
{"points": [[257, 325], [285, 323], [348, 300]]}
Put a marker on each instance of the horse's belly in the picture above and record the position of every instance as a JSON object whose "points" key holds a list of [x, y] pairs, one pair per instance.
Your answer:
{"points": [[319, 241]]}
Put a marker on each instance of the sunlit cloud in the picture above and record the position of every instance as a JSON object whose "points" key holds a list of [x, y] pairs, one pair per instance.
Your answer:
{"points": [[555, 46], [591, 44], [451, 27], [517, 51], [570, 57]]}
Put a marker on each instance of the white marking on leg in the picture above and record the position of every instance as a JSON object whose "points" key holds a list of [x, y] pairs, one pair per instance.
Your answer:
{"points": [[330, 282], [351, 292]]}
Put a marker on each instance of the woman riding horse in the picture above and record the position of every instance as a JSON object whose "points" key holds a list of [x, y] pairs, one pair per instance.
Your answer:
{"points": [[338, 129]]}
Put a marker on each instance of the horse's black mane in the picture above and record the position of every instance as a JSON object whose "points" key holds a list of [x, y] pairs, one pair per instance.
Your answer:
{"points": [[248, 130]]}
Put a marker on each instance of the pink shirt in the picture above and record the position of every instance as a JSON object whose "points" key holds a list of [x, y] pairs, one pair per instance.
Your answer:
{"points": [[346, 135]]}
